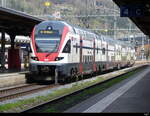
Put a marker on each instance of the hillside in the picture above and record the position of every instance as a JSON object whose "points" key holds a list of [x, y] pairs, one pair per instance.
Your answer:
{"points": [[97, 15]]}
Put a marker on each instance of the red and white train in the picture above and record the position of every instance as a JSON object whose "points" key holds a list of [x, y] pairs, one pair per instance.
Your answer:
{"points": [[57, 45]]}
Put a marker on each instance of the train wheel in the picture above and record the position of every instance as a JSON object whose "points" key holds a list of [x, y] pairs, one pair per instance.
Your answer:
{"points": [[76, 71], [81, 76], [72, 72], [100, 70], [77, 78]]}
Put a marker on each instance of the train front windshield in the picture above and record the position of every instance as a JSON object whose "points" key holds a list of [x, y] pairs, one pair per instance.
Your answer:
{"points": [[47, 41], [48, 36]]}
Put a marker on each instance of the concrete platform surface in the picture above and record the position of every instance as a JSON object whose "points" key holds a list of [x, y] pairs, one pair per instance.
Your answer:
{"points": [[132, 95], [11, 79]]}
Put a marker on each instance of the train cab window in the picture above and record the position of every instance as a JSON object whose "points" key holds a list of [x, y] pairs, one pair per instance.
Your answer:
{"points": [[103, 51], [67, 48]]}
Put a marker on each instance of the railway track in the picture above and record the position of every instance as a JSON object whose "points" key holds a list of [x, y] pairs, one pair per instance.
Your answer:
{"points": [[26, 89], [22, 90], [39, 106]]}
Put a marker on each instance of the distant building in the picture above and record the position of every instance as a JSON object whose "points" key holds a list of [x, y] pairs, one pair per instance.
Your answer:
{"points": [[138, 40]]}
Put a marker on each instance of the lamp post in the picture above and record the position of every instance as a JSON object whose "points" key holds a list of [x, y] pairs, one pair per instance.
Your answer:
{"points": [[47, 4], [106, 30]]}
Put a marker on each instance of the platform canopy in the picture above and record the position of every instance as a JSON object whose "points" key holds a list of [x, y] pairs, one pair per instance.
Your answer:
{"points": [[17, 23], [138, 11]]}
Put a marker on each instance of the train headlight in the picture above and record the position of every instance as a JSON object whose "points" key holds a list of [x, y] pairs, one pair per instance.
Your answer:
{"points": [[35, 58], [59, 58]]}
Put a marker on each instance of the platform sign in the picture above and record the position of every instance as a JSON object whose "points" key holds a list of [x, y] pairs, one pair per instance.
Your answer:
{"points": [[24, 45], [132, 11]]}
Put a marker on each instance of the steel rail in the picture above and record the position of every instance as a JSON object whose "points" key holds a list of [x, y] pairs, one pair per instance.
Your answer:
{"points": [[74, 92], [14, 92]]}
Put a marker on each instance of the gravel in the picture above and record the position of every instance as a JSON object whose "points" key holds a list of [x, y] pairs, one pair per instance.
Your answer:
{"points": [[48, 91]]}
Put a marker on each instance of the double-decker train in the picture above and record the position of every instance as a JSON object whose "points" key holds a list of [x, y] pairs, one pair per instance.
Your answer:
{"points": [[69, 50]]}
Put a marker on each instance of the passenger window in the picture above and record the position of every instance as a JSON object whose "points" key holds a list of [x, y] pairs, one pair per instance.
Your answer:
{"points": [[90, 58], [86, 59], [83, 58], [67, 48], [103, 51]]}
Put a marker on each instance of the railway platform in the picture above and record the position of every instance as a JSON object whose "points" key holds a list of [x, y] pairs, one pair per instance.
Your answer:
{"points": [[13, 77], [132, 95], [7, 71]]}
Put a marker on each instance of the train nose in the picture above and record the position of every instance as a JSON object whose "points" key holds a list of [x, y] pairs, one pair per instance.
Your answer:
{"points": [[45, 58]]}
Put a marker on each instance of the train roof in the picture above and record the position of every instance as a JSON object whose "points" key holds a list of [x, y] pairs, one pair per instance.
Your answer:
{"points": [[77, 29], [116, 41]]}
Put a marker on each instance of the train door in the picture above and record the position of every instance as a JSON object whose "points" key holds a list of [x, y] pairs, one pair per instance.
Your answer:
{"points": [[103, 50], [71, 50], [107, 51], [72, 56], [113, 53], [94, 64], [81, 55], [73, 41], [100, 49]]}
